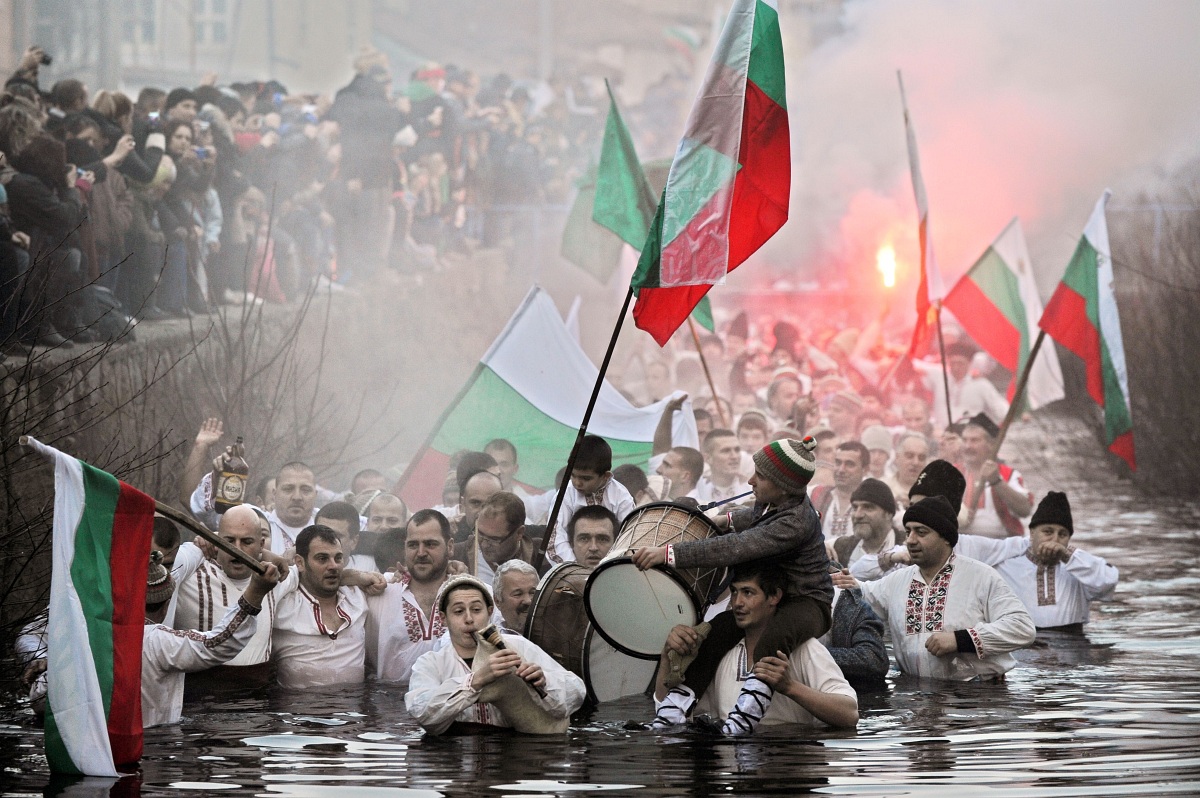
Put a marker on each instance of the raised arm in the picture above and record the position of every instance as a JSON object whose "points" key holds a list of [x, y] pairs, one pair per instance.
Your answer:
{"points": [[197, 462]]}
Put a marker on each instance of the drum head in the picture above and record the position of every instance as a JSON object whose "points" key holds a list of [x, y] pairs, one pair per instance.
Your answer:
{"points": [[635, 610], [609, 674]]}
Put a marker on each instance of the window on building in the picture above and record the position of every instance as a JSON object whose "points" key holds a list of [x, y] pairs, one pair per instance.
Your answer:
{"points": [[141, 24], [211, 22]]}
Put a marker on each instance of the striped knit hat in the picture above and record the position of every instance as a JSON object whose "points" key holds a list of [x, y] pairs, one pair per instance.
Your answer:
{"points": [[788, 463], [159, 584]]}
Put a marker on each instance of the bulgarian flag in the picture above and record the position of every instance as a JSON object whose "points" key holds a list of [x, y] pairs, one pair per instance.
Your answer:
{"points": [[1082, 316], [101, 538], [727, 191], [931, 289], [531, 388], [997, 303]]}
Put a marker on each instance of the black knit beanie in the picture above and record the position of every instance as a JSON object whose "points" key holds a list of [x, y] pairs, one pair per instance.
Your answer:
{"points": [[1054, 509], [937, 514]]}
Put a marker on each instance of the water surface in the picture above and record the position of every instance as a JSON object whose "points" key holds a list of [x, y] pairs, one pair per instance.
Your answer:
{"points": [[1116, 712]]}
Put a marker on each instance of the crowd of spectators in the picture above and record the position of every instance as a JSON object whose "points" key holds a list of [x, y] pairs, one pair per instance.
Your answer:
{"points": [[181, 200]]}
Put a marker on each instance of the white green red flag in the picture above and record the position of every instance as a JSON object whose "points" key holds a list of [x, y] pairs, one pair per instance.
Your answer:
{"points": [[1082, 316], [101, 550], [727, 191], [531, 388], [931, 289], [997, 303]]}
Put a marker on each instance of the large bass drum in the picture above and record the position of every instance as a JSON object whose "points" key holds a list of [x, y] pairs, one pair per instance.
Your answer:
{"points": [[557, 620], [635, 610]]}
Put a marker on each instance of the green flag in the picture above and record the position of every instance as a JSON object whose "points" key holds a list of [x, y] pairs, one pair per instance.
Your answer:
{"points": [[624, 201], [702, 315], [589, 246]]}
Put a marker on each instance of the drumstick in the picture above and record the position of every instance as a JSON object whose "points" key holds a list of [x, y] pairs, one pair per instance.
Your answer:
{"points": [[704, 508], [491, 634]]}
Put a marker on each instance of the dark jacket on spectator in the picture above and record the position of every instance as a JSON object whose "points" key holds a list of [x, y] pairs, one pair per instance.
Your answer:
{"points": [[368, 122]]}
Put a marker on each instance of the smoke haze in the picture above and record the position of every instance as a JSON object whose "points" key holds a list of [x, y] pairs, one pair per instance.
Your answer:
{"points": [[1020, 108]]}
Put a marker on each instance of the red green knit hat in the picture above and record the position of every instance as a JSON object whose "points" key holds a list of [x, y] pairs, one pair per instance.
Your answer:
{"points": [[788, 463]]}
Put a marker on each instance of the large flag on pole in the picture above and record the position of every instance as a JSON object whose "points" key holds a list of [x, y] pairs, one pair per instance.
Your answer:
{"points": [[997, 303], [727, 191], [531, 387], [931, 289], [101, 550], [1082, 316]]}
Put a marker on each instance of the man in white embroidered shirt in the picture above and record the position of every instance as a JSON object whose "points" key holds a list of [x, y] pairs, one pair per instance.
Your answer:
{"points": [[167, 654], [404, 622], [1053, 579], [818, 691], [213, 588], [949, 617], [319, 637]]}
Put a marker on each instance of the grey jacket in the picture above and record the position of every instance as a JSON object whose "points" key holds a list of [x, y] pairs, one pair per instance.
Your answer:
{"points": [[856, 642], [788, 534]]}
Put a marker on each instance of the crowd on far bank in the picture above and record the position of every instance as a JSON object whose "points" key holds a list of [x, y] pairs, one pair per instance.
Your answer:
{"points": [[182, 199]]}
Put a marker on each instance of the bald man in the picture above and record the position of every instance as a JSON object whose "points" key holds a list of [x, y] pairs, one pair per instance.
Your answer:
{"points": [[216, 585]]}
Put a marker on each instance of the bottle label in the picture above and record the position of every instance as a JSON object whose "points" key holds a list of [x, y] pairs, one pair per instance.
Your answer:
{"points": [[231, 488]]}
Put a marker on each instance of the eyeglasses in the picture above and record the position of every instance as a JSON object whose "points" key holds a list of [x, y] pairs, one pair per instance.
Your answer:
{"points": [[483, 539]]}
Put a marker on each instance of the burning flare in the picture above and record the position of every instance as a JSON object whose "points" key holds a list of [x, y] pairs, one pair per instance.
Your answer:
{"points": [[885, 261]]}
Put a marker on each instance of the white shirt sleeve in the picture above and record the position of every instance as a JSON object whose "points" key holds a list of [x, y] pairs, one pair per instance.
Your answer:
{"points": [[201, 503], [990, 551], [191, 651], [1008, 625], [1099, 579]]}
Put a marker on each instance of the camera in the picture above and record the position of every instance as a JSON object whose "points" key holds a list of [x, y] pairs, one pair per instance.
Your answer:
{"points": [[47, 59], [201, 152]]}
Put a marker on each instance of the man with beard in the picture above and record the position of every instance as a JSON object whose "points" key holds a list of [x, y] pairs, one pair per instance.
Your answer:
{"points": [[514, 588], [949, 616], [319, 637], [872, 507], [403, 623]]}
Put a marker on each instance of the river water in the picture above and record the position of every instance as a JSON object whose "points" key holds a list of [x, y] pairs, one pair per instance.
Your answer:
{"points": [[1114, 713]]}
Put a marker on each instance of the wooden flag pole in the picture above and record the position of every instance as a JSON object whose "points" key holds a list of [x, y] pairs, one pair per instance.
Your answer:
{"points": [[1010, 416], [540, 556], [945, 373], [187, 521], [707, 375]]}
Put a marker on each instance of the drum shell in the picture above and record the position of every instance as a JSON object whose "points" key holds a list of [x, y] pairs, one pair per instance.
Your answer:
{"points": [[558, 620], [662, 523]]}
